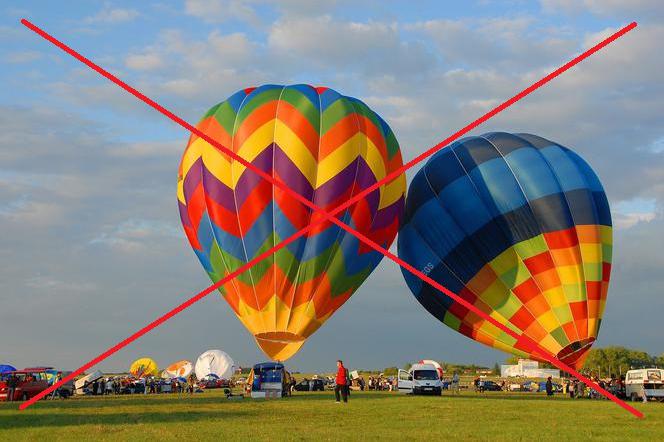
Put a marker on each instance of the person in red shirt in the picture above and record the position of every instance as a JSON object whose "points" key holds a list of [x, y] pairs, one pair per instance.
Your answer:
{"points": [[341, 382]]}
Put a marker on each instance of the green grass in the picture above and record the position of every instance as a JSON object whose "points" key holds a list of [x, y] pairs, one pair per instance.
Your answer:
{"points": [[315, 416]]}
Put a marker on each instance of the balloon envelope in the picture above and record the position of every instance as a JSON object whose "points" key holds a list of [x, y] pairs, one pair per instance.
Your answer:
{"points": [[215, 363], [144, 367], [520, 227], [178, 369], [328, 148], [4, 368]]}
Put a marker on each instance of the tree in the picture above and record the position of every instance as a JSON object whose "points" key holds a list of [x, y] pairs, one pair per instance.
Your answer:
{"points": [[496, 368], [617, 360], [391, 371]]}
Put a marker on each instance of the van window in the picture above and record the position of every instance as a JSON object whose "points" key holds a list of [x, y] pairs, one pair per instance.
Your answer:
{"points": [[425, 375], [654, 375], [635, 376]]}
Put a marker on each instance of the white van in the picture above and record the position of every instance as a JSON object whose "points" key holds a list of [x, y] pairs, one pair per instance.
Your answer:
{"points": [[645, 380], [420, 379]]}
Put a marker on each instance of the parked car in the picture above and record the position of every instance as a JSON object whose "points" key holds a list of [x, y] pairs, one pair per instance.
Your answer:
{"points": [[421, 379], [310, 385], [492, 386], [31, 381], [214, 383]]}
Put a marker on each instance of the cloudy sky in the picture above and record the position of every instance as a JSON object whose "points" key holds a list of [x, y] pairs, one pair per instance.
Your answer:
{"points": [[91, 246]]}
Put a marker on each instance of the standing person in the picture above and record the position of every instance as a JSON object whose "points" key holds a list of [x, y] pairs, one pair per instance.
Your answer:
{"points": [[341, 381], [12, 383], [455, 383], [56, 392], [190, 384], [549, 387]]}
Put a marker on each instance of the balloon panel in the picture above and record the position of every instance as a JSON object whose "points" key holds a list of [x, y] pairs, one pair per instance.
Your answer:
{"points": [[179, 369], [216, 363], [520, 227], [144, 367], [323, 145]]}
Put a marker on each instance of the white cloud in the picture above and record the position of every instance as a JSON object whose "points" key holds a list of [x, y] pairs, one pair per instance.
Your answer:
{"points": [[627, 10], [503, 43], [144, 62], [134, 235], [112, 15], [42, 282], [372, 47], [218, 11], [22, 57]]}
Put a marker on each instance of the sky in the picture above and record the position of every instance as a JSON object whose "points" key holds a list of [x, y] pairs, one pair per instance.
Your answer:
{"points": [[91, 247]]}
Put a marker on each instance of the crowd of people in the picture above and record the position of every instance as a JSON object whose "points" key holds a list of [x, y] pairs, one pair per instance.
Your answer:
{"points": [[149, 385], [381, 383]]}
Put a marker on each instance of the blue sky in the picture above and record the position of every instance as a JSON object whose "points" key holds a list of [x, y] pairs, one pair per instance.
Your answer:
{"points": [[92, 248]]}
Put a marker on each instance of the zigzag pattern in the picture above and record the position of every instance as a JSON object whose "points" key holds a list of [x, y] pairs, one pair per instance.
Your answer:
{"points": [[326, 147]]}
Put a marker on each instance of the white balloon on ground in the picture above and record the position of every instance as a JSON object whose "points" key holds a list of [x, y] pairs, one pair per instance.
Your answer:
{"points": [[214, 362]]}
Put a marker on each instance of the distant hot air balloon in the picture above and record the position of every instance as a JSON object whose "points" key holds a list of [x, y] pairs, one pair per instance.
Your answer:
{"points": [[5, 368], [325, 146], [144, 367], [214, 363], [179, 369], [520, 227]]}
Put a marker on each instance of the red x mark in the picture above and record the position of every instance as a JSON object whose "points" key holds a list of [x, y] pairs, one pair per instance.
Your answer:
{"points": [[331, 216]]}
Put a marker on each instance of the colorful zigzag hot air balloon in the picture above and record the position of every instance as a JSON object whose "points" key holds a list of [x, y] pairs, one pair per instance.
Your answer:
{"points": [[520, 227], [325, 146]]}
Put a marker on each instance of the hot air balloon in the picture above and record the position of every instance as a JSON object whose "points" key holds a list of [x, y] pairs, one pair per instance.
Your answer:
{"points": [[5, 368], [323, 145], [520, 227], [144, 367], [179, 369], [215, 363]]}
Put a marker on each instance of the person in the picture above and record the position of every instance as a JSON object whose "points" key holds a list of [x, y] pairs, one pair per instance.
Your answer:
{"points": [[190, 383], [109, 386], [455, 383], [549, 387], [12, 383], [56, 392], [292, 385], [481, 385], [341, 382]]}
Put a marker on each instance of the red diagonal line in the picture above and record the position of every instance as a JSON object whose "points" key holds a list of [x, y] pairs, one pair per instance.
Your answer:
{"points": [[533, 347]]}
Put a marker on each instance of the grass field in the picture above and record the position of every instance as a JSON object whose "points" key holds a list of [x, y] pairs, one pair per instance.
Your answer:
{"points": [[315, 416]]}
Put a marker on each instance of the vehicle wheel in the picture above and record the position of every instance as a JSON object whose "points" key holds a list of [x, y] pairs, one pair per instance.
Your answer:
{"points": [[24, 397]]}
